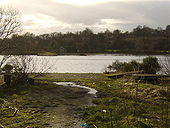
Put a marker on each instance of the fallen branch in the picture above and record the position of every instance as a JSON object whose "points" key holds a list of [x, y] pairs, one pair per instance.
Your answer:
{"points": [[15, 110], [10, 107], [94, 125], [1, 126]]}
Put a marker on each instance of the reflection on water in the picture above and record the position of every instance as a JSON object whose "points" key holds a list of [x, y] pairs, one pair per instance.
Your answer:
{"points": [[81, 64]]}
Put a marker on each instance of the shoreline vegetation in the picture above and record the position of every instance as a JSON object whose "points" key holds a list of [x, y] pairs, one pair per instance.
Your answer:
{"points": [[141, 40], [124, 52], [119, 103], [108, 52]]}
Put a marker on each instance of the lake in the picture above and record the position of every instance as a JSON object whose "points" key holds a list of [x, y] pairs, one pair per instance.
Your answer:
{"points": [[81, 64]]}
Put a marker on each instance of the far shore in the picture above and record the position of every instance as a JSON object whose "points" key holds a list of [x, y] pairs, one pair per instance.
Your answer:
{"points": [[98, 53]]}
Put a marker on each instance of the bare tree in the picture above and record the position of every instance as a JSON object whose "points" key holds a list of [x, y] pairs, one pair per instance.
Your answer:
{"points": [[29, 64], [26, 67], [166, 65], [3, 59], [9, 24]]}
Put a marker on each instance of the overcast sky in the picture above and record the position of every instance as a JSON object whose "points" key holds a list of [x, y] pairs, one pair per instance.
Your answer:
{"points": [[46, 16]]}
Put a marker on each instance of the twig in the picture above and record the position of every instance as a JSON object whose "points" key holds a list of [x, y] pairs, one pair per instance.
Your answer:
{"points": [[15, 110], [94, 125], [1, 126]]}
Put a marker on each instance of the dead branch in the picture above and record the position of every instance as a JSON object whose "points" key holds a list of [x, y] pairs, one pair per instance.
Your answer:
{"points": [[4, 60], [1, 126], [9, 22], [6, 104]]}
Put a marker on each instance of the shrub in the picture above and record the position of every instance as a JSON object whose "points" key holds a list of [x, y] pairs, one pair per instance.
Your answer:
{"points": [[150, 65], [125, 66], [7, 68]]}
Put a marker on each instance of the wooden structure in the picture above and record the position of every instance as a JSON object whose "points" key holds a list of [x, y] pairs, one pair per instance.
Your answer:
{"points": [[119, 75], [150, 77], [137, 75]]}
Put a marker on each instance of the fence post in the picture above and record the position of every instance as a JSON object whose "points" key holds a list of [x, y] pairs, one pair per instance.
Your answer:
{"points": [[7, 79]]}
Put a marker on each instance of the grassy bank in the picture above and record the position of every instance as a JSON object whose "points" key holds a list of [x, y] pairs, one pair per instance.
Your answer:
{"points": [[123, 103], [19, 108], [42, 105], [120, 103]]}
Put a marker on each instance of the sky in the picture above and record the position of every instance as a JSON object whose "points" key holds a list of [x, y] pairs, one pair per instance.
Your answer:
{"points": [[47, 16]]}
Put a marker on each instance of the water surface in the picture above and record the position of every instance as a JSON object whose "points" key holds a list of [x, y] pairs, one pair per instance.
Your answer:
{"points": [[81, 64]]}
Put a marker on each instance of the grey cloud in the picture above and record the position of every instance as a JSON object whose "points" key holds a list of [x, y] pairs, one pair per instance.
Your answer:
{"points": [[153, 13]]}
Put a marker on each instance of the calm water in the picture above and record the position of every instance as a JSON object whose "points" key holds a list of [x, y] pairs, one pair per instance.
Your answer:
{"points": [[81, 64]]}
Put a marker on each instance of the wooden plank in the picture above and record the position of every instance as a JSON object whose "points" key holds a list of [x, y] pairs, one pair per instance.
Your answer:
{"points": [[119, 75]]}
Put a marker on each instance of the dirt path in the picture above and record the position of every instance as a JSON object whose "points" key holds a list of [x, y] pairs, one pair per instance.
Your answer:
{"points": [[61, 105]]}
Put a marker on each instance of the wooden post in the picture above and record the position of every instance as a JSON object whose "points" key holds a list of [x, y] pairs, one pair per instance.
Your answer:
{"points": [[7, 79]]}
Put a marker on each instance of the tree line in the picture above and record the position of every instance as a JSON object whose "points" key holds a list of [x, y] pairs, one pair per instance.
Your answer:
{"points": [[142, 39]]}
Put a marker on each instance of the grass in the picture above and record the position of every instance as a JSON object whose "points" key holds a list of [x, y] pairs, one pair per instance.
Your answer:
{"points": [[127, 103], [30, 110], [47, 54]]}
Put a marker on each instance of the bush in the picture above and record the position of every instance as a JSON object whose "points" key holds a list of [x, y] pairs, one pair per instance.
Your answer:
{"points": [[7, 68], [150, 65], [125, 67]]}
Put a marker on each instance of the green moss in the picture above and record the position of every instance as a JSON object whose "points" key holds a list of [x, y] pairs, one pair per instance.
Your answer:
{"points": [[26, 114]]}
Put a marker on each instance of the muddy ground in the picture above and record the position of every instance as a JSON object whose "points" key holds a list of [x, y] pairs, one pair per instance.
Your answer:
{"points": [[63, 105], [46, 105]]}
